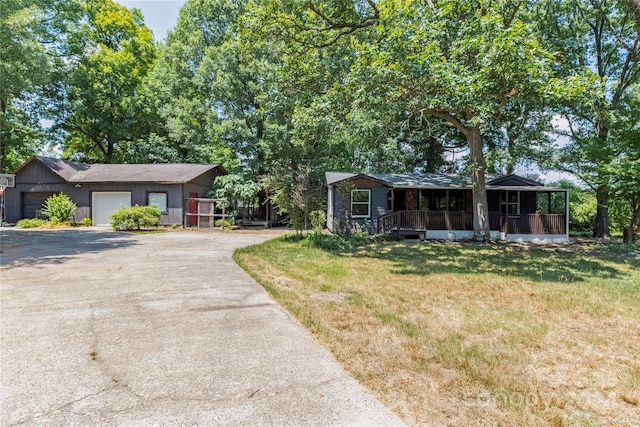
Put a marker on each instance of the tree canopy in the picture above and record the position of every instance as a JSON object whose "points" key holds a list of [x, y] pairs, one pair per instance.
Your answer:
{"points": [[280, 92]]}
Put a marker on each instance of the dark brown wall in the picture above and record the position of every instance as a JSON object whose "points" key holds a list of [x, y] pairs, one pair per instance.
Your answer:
{"points": [[34, 177]]}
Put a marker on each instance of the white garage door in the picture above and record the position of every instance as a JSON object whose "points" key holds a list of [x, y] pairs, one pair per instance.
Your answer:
{"points": [[104, 204]]}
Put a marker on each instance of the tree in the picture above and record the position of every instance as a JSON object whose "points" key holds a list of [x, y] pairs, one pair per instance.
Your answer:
{"points": [[582, 205], [634, 7], [598, 40], [99, 117], [235, 188], [624, 169], [206, 82], [34, 34]]}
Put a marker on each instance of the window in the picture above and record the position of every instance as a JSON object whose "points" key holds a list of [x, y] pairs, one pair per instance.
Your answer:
{"points": [[513, 204], [456, 200], [360, 203], [440, 200], [159, 199]]}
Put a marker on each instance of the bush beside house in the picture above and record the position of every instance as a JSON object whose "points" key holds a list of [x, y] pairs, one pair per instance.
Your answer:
{"points": [[136, 218]]}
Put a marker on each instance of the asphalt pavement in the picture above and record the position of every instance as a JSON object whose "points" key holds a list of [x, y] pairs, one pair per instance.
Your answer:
{"points": [[106, 328]]}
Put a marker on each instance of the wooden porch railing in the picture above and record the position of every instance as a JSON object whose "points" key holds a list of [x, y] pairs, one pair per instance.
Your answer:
{"points": [[537, 224], [449, 220], [420, 221], [402, 221]]}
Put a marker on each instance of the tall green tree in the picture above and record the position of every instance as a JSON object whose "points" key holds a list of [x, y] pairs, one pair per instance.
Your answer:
{"points": [[624, 169], [34, 40], [206, 84], [99, 115], [597, 40]]}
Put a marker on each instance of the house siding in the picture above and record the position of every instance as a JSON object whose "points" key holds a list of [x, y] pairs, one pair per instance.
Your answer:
{"points": [[33, 173], [330, 207], [341, 198]]}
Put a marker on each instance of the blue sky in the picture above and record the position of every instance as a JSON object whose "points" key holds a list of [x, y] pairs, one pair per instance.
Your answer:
{"points": [[159, 15]]}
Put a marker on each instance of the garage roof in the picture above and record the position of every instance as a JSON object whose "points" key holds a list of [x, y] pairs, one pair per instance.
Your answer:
{"points": [[164, 173]]}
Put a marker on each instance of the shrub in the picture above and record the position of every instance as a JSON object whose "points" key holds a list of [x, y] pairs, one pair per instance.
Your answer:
{"points": [[227, 222], [31, 223], [136, 217], [293, 237], [59, 208], [362, 230], [86, 222], [326, 242], [318, 218], [296, 218]]}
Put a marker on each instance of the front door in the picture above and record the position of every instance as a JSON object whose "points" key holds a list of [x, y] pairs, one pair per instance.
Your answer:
{"points": [[193, 208]]}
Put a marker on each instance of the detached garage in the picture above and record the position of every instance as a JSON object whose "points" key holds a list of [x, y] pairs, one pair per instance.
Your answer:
{"points": [[100, 189]]}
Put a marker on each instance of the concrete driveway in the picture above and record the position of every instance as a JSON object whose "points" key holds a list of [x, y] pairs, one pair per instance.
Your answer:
{"points": [[106, 328]]}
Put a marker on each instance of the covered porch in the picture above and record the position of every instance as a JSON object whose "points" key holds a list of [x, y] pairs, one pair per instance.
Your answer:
{"points": [[440, 206], [514, 213]]}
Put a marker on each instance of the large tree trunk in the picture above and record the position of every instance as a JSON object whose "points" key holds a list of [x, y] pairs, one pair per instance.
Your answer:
{"points": [[480, 205], [479, 189], [628, 236], [601, 228], [635, 211], [3, 111]]}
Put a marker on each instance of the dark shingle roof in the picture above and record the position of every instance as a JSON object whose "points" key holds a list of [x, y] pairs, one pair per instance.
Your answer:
{"points": [[427, 180], [399, 180], [173, 173], [438, 180]]}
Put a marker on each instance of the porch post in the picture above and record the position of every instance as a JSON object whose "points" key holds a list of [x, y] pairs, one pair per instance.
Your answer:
{"points": [[505, 217], [393, 200], [566, 213]]}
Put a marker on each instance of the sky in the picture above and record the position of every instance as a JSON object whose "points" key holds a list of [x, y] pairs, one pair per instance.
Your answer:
{"points": [[159, 15]]}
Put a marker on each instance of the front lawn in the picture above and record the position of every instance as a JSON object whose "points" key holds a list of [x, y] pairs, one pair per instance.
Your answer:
{"points": [[472, 334]]}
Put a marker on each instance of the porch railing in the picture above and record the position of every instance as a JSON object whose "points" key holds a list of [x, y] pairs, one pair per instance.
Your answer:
{"points": [[449, 220], [420, 221], [537, 224], [402, 221]]}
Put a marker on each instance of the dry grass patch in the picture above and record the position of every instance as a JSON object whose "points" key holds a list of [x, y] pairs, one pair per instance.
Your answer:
{"points": [[464, 334]]}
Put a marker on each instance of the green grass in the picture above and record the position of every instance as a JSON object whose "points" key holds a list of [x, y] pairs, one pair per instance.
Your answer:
{"points": [[430, 327]]}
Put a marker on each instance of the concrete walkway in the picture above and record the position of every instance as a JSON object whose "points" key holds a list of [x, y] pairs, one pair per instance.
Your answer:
{"points": [[106, 328]]}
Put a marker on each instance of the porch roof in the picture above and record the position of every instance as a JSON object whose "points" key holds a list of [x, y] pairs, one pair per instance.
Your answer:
{"points": [[398, 180]]}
